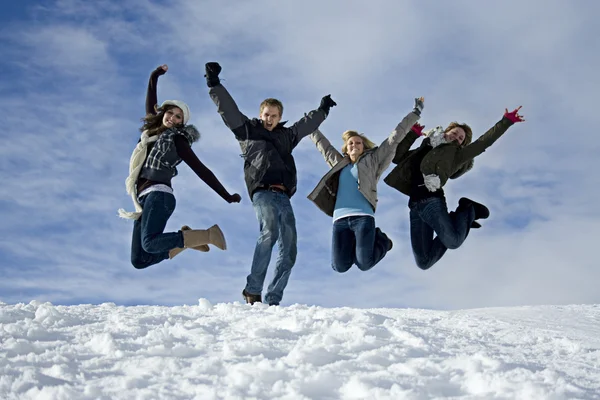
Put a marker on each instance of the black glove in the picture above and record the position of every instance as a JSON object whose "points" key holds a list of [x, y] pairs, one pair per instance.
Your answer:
{"points": [[212, 70], [326, 104], [234, 198], [419, 104]]}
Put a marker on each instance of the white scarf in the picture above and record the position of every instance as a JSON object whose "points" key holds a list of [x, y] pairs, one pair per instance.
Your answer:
{"points": [[436, 136], [135, 166]]}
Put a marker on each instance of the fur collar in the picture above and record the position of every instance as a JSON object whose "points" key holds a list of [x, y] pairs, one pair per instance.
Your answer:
{"points": [[189, 131], [192, 132], [436, 136]]}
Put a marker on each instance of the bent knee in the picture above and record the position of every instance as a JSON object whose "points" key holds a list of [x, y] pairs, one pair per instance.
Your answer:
{"points": [[424, 267], [364, 266], [137, 264], [424, 264], [453, 244], [341, 268]]}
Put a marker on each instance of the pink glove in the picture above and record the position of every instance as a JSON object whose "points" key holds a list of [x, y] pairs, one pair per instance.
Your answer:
{"points": [[514, 115], [418, 129]]}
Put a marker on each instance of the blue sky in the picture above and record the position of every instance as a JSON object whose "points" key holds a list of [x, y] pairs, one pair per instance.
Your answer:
{"points": [[74, 75]]}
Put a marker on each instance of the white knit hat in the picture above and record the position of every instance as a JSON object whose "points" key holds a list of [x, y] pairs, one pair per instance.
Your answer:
{"points": [[184, 107]]}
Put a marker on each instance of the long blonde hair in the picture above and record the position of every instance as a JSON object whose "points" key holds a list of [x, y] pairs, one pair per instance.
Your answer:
{"points": [[367, 144]]}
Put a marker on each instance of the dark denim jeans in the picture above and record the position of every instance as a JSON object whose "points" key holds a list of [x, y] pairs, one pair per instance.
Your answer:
{"points": [[355, 241], [431, 215], [277, 225], [149, 245]]}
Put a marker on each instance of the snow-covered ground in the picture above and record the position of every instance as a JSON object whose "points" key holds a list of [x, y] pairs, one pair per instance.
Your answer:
{"points": [[235, 351]]}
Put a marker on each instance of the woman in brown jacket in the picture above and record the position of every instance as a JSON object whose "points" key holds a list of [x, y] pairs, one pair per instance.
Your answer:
{"points": [[421, 174]]}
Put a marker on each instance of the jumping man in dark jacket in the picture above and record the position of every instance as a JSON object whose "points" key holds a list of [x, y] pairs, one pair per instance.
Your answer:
{"points": [[270, 174]]}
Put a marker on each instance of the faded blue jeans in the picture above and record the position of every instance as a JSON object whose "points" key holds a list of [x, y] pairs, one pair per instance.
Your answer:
{"points": [[356, 241], [277, 225], [431, 215], [149, 245]]}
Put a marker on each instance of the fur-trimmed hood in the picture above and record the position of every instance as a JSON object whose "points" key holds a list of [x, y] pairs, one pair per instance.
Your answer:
{"points": [[191, 133]]}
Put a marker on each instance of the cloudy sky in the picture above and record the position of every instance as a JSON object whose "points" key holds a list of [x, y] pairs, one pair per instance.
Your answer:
{"points": [[72, 87]]}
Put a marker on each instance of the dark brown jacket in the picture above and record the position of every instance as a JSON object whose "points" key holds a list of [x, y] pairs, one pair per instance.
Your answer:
{"points": [[446, 160]]}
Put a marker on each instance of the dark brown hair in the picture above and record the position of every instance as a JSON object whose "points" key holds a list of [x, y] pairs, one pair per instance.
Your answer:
{"points": [[153, 122], [466, 128]]}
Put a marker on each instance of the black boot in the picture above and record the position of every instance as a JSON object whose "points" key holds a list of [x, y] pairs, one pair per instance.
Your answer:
{"points": [[481, 211], [390, 243]]}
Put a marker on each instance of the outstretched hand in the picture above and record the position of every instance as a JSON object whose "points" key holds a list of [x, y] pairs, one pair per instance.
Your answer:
{"points": [[326, 104], [418, 129], [419, 105], [514, 115], [234, 198]]}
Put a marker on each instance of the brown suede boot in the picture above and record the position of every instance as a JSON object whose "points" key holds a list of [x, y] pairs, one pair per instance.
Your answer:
{"points": [[173, 252], [198, 237]]}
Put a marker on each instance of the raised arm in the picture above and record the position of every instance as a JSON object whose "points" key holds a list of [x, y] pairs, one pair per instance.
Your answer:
{"points": [[151, 97], [184, 150], [312, 120], [487, 139], [387, 150], [226, 106], [405, 144], [330, 153]]}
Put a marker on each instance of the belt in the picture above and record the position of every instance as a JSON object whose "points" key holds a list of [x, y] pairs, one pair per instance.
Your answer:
{"points": [[272, 188]]}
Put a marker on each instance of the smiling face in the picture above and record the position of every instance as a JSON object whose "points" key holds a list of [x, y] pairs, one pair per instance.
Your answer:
{"points": [[270, 116], [355, 147], [456, 134], [173, 117]]}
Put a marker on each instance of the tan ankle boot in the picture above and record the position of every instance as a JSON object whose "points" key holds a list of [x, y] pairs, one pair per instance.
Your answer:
{"points": [[202, 247], [173, 252], [197, 237]]}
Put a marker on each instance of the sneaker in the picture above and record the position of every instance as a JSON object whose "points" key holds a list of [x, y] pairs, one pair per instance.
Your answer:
{"points": [[481, 211], [251, 298]]}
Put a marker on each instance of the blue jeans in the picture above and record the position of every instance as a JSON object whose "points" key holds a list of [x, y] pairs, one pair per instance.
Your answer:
{"points": [[277, 225], [431, 215], [355, 241], [149, 245]]}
